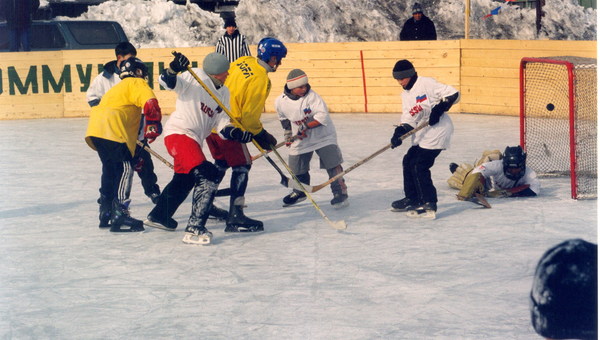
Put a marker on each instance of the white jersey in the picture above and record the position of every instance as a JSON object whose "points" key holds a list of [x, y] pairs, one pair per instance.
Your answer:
{"points": [[196, 113], [495, 179], [102, 83], [416, 108], [306, 109]]}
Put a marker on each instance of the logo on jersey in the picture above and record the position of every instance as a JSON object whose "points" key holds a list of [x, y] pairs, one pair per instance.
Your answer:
{"points": [[422, 98], [208, 110], [307, 111], [415, 110]]}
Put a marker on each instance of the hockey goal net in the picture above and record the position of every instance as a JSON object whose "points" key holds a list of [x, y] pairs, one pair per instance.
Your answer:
{"points": [[559, 119]]}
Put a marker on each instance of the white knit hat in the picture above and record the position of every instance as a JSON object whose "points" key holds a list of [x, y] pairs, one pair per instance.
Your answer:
{"points": [[215, 63], [296, 78]]}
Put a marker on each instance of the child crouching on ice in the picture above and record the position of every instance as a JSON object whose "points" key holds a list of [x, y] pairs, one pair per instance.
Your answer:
{"points": [[303, 107]]}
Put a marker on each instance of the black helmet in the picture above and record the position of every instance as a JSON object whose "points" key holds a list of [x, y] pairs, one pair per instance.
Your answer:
{"points": [[133, 67], [514, 162]]}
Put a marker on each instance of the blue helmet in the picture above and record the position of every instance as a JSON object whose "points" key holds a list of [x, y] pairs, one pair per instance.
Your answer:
{"points": [[271, 47]]}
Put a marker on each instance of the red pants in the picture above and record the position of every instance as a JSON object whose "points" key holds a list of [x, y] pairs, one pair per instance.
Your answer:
{"points": [[232, 152], [186, 152]]}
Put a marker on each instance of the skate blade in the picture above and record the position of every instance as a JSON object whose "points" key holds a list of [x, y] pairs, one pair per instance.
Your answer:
{"points": [[156, 225], [341, 205], [203, 239], [428, 214], [129, 230]]}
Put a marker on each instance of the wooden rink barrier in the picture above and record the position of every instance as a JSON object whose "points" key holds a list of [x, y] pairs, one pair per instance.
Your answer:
{"points": [[352, 77]]}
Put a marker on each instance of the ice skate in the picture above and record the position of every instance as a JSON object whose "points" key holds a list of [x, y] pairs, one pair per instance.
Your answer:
{"points": [[167, 224], [217, 213], [340, 201], [426, 210], [238, 222], [404, 204], [293, 198], [105, 210], [120, 218], [197, 235]]}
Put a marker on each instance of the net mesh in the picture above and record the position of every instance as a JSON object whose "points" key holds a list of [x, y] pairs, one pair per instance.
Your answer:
{"points": [[547, 127]]}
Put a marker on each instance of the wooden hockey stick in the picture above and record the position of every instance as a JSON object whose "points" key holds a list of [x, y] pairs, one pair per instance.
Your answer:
{"points": [[363, 161], [155, 154], [340, 225]]}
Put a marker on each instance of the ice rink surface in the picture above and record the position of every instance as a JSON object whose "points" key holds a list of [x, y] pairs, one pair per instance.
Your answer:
{"points": [[465, 275]]}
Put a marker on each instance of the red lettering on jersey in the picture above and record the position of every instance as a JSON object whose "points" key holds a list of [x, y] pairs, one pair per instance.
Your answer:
{"points": [[206, 109], [415, 110]]}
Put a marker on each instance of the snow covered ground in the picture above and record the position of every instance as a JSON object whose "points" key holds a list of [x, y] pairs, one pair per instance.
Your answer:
{"points": [[465, 275]]}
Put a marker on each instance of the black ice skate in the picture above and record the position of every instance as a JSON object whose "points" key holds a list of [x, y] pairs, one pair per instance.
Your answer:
{"points": [[404, 204], [105, 210], [238, 222], [293, 198], [426, 210], [453, 167], [197, 235], [339, 201], [217, 213], [120, 221], [165, 224]]}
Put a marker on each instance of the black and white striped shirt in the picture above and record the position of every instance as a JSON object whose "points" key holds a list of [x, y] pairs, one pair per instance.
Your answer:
{"points": [[233, 46]]}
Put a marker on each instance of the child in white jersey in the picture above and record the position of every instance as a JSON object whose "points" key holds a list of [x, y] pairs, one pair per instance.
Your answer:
{"points": [[299, 105]]}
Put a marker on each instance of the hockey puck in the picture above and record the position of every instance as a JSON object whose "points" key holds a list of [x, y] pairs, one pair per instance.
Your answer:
{"points": [[550, 107]]}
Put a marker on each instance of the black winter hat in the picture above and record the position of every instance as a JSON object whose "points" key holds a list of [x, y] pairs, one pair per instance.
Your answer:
{"points": [[417, 8], [229, 22], [403, 69], [564, 296]]}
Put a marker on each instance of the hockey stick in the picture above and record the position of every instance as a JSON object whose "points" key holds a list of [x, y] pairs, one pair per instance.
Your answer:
{"points": [[155, 154], [340, 225], [363, 161], [280, 144]]}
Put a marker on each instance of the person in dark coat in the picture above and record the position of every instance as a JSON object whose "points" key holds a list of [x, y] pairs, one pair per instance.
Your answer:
{"points": [[419, 27], [19, 14]]}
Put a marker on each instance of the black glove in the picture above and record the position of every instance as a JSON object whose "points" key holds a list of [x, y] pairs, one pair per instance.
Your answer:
{"points": [[236, 134], [179, 63], [399, 132], [436, 113], [265, 140]]}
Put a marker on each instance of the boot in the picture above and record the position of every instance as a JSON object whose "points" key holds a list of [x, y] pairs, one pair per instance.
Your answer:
{"points": [[169, 200], [293, 198], [339, 201], [197, 235], [238, 222], [120, 218], [105, 209], [218, 213], [404, 204]]}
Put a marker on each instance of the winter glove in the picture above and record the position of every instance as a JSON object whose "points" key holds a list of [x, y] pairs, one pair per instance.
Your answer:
{"points": [[152, 130], [236, 134], [265, 140], [287, 136], [302, 129], [400, 131], [179, 63], [436, 113]]}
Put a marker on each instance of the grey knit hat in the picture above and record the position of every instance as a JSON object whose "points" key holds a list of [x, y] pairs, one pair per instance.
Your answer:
{"points": [[296, 78], [403, 69], [215, 63]]}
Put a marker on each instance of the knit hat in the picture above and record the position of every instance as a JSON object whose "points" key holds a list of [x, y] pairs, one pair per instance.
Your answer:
{"points": [[403, 69], [296, 78], [564, 296], [417, 8], [215, 63], [229, 22]]}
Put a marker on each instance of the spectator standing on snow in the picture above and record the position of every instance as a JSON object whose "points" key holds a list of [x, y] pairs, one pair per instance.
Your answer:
{"points": [[419, 27], [232, 44]]}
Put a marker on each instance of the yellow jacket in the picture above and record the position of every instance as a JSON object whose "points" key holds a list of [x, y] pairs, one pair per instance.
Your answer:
{"points": [[117, 117], [249, 86]]}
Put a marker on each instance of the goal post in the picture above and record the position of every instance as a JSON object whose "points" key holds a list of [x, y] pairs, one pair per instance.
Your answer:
{"points": [[558, 119]]}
